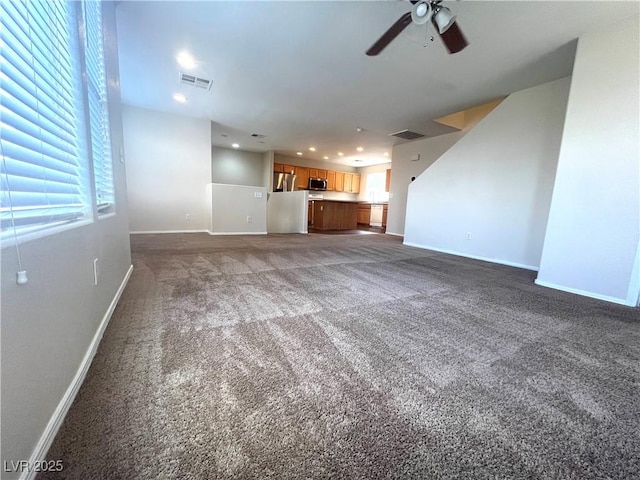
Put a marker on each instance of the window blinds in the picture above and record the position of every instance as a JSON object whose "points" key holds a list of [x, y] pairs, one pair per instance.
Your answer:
{"points": [[43, 179], [98, 106], [44, 137]]}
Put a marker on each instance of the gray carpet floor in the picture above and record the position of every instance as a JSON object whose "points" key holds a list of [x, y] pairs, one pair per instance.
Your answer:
{"points": [[355, 357]]}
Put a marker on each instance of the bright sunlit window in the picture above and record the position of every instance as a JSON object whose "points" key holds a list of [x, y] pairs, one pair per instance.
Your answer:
{"points": [[375, 187], [46, 143]]}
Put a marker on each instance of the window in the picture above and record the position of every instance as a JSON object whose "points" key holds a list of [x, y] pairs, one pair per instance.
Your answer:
{"points": [[375, 187], [98, 106], [45, 141]]}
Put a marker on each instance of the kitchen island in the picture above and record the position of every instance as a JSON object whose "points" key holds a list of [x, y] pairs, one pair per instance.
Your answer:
{"points": [[333, 214]]}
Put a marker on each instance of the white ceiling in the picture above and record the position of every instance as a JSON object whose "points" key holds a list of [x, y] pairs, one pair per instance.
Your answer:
{"points": [[296, 71]]}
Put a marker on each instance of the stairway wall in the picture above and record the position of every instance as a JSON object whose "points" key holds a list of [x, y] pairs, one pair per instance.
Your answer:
{"points": [[488, 196]]}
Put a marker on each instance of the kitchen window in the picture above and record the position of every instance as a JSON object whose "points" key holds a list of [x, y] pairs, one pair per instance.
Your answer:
{"points": [[375, 187]]}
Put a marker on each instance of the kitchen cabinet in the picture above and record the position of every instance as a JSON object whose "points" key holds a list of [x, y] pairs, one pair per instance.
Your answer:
{"points": [[384, 215], [339, 182], [348, 180], [351, 183], [313, 173], [282, 168], [302, 177], [387, 180], [322, 174], [331, 181], [355, 183], [335, 215], [364, 213]]}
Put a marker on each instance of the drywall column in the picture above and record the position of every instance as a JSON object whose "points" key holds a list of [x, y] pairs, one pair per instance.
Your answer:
{"points": [[423, 152], [168, 169], [591, 244]]}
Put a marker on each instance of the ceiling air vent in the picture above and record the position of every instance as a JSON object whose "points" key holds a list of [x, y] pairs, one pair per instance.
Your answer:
{"points": [[195, 81], [407, 134], [258, 135]]}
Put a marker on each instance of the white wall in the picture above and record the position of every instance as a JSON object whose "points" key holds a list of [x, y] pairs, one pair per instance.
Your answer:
{"points": [[237, 167], [591, 246], [168, 170], [49, 324], [402, 169], [287, 212], [494, 184], [232, 204]]}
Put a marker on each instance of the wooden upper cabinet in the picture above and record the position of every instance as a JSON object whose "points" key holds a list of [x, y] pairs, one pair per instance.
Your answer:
{"points": [[387, 181], [331, 181], [302, 180], [278, 167], [339, 182], [289, 168], [355, 183], [322, 174], [313, 173], [348, 181]]}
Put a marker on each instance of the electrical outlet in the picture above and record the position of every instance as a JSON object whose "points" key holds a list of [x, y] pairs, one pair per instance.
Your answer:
{"points": [[468, 237], [390, 196], [187, 217], [249, 219], [257, 194]]}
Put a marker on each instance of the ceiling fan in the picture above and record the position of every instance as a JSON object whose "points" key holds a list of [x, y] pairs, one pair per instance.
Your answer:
{"points": [[422, 12]]}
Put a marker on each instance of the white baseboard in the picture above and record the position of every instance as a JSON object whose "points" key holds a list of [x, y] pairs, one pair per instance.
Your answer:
{"points": [[597, 296], [395, 234], [475, 257], [237, 233], [140, 232], [39, 453]]}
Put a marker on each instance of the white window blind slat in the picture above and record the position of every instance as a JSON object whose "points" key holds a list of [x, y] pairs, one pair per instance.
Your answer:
{"points": [[43, 142]]}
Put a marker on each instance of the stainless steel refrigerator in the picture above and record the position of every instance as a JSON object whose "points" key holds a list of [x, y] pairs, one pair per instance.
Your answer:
{"points": [[284, 182]]}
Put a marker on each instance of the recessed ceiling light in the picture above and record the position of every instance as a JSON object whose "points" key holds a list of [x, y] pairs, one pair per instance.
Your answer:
{"points": [[360, 149], [179, 97], [340, 153], [359, 129], [325, 157], [299, 153], [312, 149], [186, 60], [235, 145]]}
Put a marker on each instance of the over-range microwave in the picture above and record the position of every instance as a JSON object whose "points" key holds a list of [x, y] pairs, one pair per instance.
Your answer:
{"points": [[317, 184]]}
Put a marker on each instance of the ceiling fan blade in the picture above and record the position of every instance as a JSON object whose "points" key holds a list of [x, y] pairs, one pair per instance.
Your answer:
{"points": [[453, 38], [388, 36]]}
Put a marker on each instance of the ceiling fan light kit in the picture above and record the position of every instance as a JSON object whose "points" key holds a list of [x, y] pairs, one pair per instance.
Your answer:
{"points": [[443, 18], [421, 13]]}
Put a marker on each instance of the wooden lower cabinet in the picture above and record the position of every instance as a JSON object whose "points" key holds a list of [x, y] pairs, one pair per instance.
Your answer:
{"points": [[384, 215], [364, 214], [334, 215]]}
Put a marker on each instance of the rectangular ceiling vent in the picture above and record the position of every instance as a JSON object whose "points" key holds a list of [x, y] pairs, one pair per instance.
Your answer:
{"points": [[407, 134], [195, 81], [258, 135]]}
